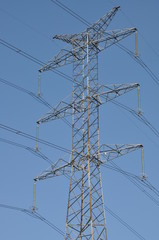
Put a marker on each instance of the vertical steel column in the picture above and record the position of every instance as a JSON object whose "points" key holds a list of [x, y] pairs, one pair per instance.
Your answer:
{"points": [[72, 153], [88, 157]]}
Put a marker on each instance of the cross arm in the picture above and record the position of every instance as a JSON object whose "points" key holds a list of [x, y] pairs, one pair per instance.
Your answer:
{"points": [[106, 93], [110, 152], [112, 37], [61, 167], [62, 58], [62, 110]]}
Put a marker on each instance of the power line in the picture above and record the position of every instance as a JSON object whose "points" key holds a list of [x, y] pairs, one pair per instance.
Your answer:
{"points": [[58, 230], [140, 62], [139, 31], [148, 44], [142, 182], [140, 117], [26, 135], [34, 215], [138, 235], [29, 149], [53, 226], [71, 12], [26, 24], [136, 182], [152, 187], [31, 94], [32, 58], [105, 165]]}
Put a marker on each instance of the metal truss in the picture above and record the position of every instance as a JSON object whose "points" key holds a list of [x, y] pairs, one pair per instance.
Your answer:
{"points": [[106, 152], [85, 212], [105, 94]]}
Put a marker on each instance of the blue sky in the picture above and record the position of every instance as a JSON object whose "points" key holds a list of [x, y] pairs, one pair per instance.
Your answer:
{"points": [[30, 25]]}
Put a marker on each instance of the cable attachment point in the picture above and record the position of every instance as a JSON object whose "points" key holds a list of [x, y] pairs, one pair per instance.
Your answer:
{"points": [[37, 137], [142, 162], [136, 45], [34, 197], [139, 105], [39, 85]]}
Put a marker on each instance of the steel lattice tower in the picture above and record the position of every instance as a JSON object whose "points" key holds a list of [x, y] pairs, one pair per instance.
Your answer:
{"points": [[85, 212]]}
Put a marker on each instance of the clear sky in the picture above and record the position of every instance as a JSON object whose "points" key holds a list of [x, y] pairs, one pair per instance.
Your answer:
{"points": [[29, 26]]}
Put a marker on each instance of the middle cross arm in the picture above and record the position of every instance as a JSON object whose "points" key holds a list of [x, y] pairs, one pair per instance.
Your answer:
{"points": [[61, 167], [110, 152], [106, 93], [109, 92]]}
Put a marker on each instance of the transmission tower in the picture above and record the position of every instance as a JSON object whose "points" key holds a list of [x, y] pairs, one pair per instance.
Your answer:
{"points": [[85, 211]]}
